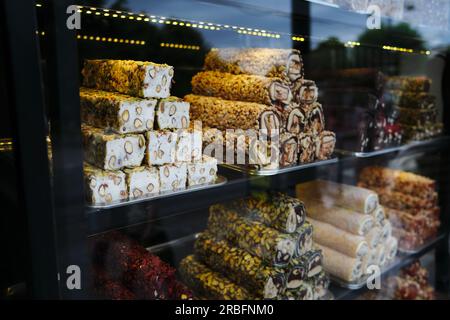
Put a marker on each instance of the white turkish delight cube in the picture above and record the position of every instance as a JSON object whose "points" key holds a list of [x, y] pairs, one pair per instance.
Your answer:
{"points": [[104, 187], [161, 147], [173, 177], [142, 181], [172, 113], [202, 172]]}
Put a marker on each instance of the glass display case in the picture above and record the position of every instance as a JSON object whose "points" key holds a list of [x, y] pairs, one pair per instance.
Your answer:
{"points": [[226, 150]]}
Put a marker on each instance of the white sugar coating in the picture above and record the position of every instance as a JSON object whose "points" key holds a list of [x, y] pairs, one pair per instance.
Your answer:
{"points": [[103, 187], [142, 181], [202, 172], [173, 176], [127, 151], [172, 113], [161, 146], [137, 116], [157, 81]]}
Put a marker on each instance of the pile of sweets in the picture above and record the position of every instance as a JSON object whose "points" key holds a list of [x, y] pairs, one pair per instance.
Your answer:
{"points": [[415, 106], [349, 227], [138, 140], [256, 248], [410, 202], [412, 283], [124, 270], [263, 90]]}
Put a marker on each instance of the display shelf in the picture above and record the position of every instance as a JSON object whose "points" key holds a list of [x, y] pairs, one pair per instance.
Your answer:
{"points": [[402, 260]]}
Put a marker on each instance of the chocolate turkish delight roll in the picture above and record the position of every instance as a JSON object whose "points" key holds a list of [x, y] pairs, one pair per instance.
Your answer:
{"points": [[339, 240], [282, 63], [161, 147], [275, 248], [134, 78], [296, 121], [288, 150], [172, 113], [415, 84], [142, 181], [397, 180], [250, 88], [321, 285], [208, 283], [312, 261], [202, 172], [325, 143], [103, 187], [115, 111], [347, 220], [316, 118], [173, 177], [224, 114], [412, 100], [305, 238], [305, 92], [335, 194], [240, 266], [276, 210], [306, 148], [340, 265], [112, 151]]}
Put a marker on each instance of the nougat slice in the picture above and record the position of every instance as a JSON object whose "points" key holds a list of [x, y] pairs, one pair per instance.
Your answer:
{"points": [[189, 145], [104, 186], [111, 151], [172, 113], [173, 176], [202, 172], [161, 147], [142, 181]]}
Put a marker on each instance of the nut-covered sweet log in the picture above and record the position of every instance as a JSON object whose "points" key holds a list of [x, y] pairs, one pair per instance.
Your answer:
{"points": [[225, 114], [288, 149], [115, 111], [315, 117], [112, 151], [306, 148], [296, 120], [134, 78], [325, 143], [240, 266], [172, 113], [250, 88], [268, 62], [208, 283], [173, 177], [270, 245], [142, 181], [161, 147], [103, 186], [202, 172], [305, 92]]}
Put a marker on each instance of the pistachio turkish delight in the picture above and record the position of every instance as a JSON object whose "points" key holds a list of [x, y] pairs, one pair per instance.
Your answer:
{"points": [[142, 181], [202, 172], [161, 147], [104, 187], [172, 113], [173, 177]]}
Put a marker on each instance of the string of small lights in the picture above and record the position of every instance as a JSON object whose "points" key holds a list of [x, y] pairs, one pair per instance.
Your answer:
{"points": [[110, 39], [178, 46]]}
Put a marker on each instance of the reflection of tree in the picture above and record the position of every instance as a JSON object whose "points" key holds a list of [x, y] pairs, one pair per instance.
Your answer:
{"points": [[329, 54]]}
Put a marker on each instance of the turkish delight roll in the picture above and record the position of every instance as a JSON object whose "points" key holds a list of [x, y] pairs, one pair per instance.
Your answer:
{"points": [[398, 180], [315, 118], [103, 186], [172, 113], [288, 150], [305, 92], [224, 114], [134, 78], [386, 231], [161, 147], [268, 62], [277, 210], [296, 120], [391, 248], [339, 240], [312, 260], [305, 291], [339, 265], [270, 245], [369, 260], [335, 194], [321, 285], [208, 283], [202, 172], [142, 181], [325, 144], [379, 215], [373, 238], [415, 84], [250, 88], [347, 220], [306, 148], [115, 111], [295, 277], [173, 177], [381, 255], [112, 151], [241, 267], [305, 238]]}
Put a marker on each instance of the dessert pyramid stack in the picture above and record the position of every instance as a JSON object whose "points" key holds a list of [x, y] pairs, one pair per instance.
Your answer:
{"points": [[262, 90], [256, 248], [137, 139], [349, 227]]}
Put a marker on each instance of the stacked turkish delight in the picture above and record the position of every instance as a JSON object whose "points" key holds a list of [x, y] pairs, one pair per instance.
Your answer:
{"points": [[257, 248], [263, 92], [138, 140], [410, 202]]}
